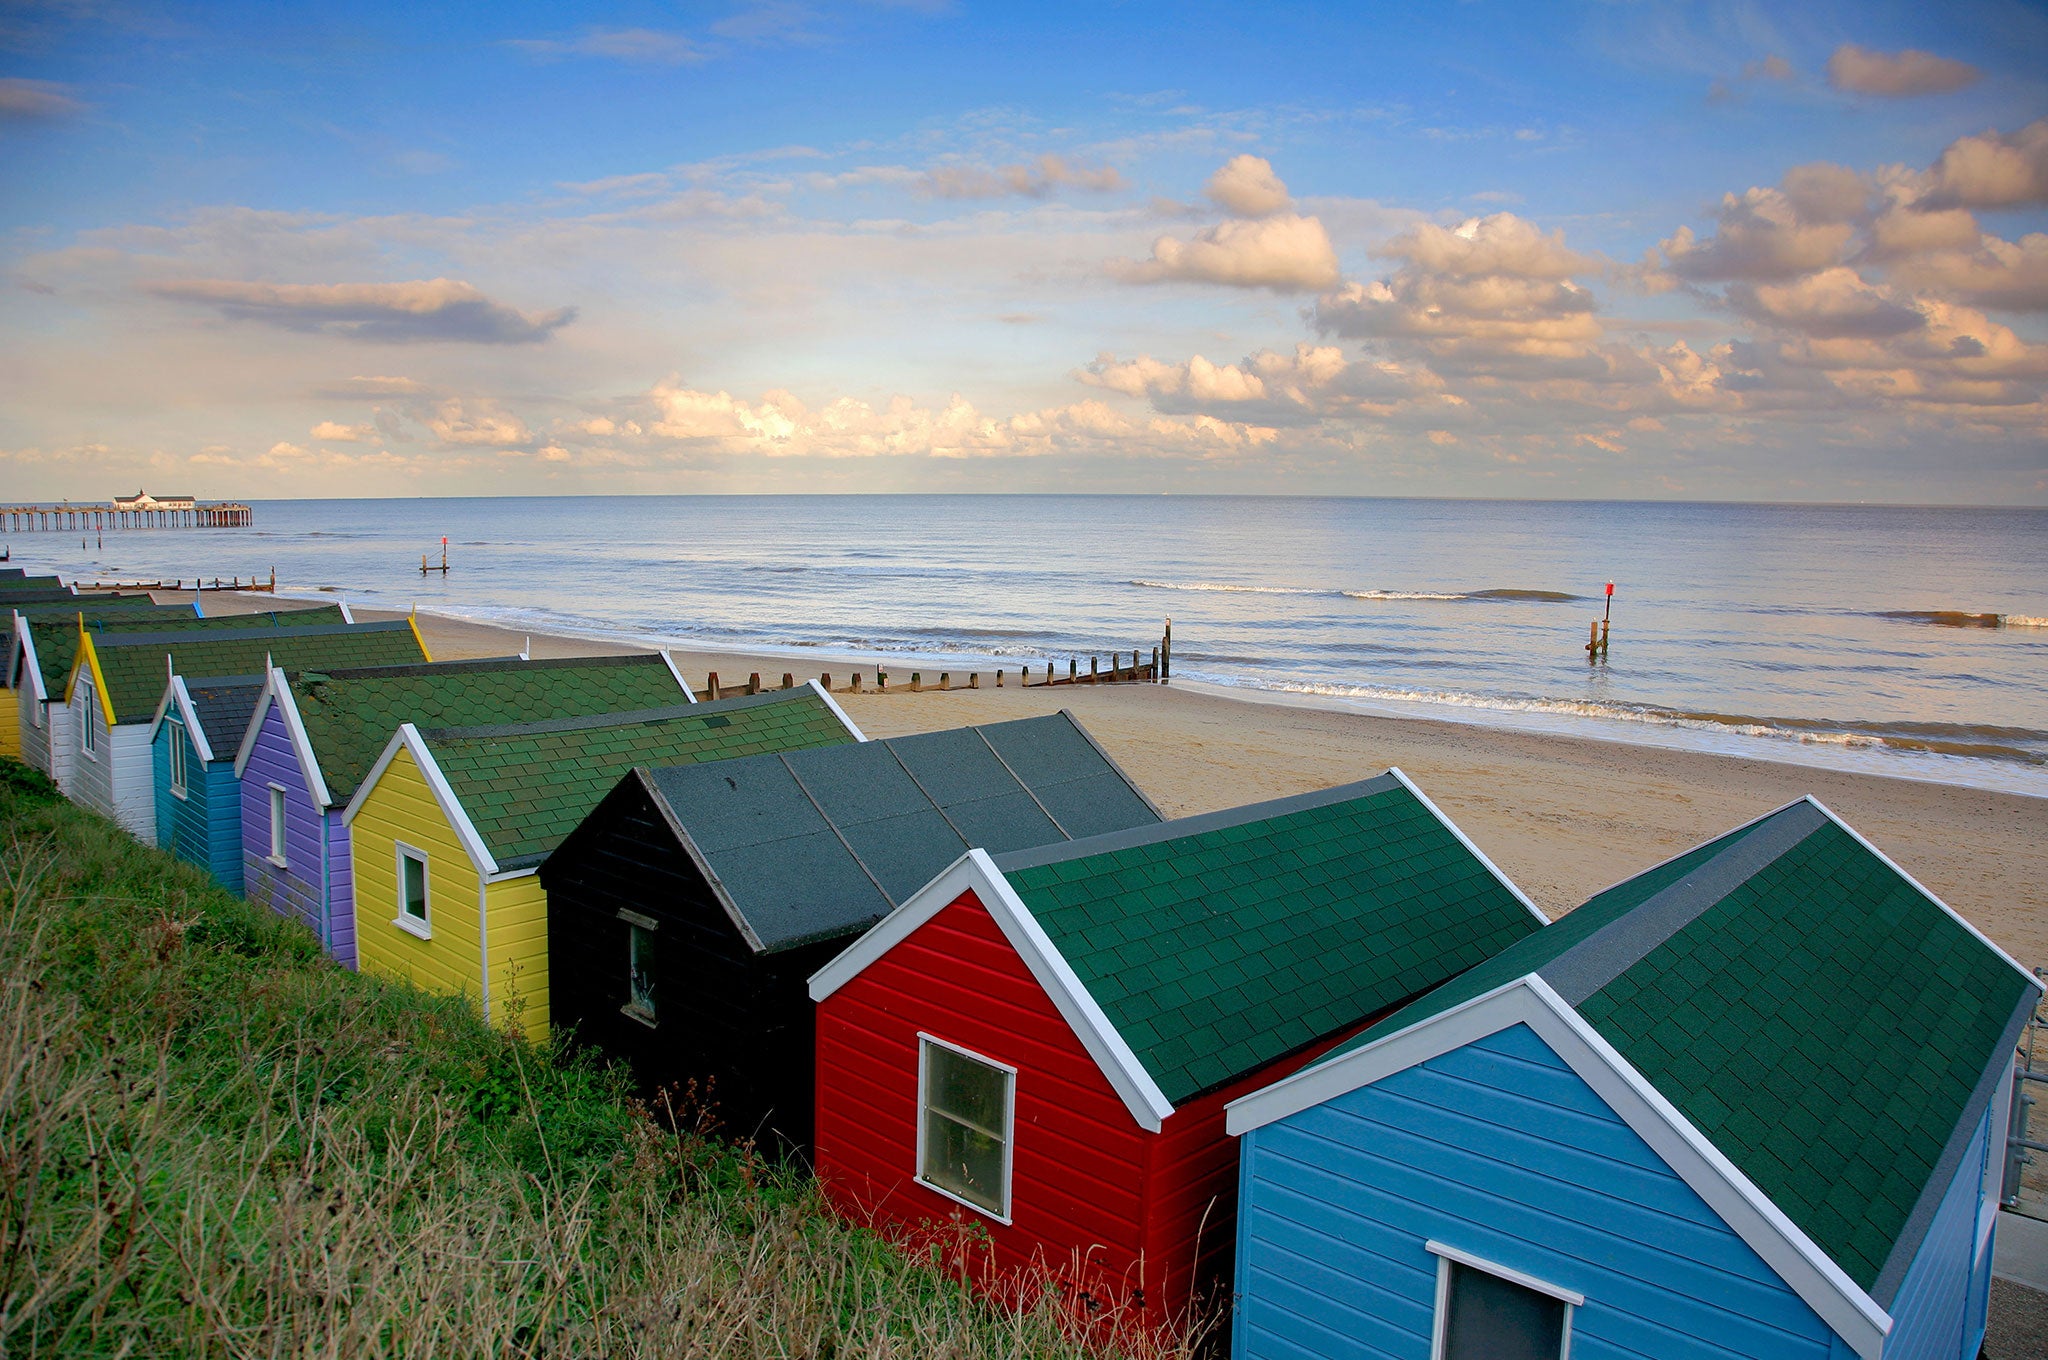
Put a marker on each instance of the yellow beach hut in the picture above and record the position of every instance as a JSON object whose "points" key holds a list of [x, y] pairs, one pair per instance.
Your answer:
{"points": [[449, 827]]}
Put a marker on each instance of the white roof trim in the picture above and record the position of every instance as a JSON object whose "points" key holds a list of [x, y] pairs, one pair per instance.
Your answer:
{"points": [[407, 738], [176, 693], [837, 711], [302, 744], [30, 666], [1466, 841], [689, 695], [975, 870], [342, 605], [1921, 888], [1529, 1000], [256, 720]]}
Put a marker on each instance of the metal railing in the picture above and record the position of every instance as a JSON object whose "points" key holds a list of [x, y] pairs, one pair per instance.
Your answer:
{"points": [[2022, 1192]]}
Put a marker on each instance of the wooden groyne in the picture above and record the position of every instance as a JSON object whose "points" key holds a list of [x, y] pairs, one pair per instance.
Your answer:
{"points": [[94, 518], [1137, 670], [254, 583]]}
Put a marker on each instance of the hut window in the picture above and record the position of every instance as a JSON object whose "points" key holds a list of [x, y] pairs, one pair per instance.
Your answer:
{"points": [[412, 890], [277, 824], [88, 713], [177, 747], [965, 1105], [640, 973], [1486, 1311]]}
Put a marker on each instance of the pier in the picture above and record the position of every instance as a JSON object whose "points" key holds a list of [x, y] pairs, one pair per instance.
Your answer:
{"points": [[114, 515]]}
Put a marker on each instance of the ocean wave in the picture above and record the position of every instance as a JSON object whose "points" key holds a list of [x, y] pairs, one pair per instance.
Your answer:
{"points": [[1960, 618], [1510, 593], [2019, 745]]}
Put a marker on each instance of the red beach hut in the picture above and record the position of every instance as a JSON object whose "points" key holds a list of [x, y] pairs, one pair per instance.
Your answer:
{"points": [[1038, 1046]]}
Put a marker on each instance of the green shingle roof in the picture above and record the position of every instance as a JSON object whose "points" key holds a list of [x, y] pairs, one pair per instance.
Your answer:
{"points": [[526, 786], [1219, 944], [350, 715], [118, 608], [56, 637], [136, 670], [1829, 1026]]}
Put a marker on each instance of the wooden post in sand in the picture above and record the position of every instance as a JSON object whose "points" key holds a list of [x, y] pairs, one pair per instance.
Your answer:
{"points": [[825, 682], [916, 682], [974, 679], [788, 680], [711, 685], [999, 678], [754, 683], [1094, 669]]}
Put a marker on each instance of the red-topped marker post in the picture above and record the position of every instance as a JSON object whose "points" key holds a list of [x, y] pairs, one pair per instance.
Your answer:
{"points": [[1596, 642]]}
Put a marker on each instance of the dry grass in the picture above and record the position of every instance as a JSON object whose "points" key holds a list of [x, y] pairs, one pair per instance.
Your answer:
{"points": [[212, 1142]]}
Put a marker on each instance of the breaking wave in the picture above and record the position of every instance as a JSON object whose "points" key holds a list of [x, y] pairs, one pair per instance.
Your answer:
{"points": [[1959, 618], [1497, 593]]}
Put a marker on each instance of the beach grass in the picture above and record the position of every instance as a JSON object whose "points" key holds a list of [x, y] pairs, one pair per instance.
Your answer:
{"points": [[215, 1142]]}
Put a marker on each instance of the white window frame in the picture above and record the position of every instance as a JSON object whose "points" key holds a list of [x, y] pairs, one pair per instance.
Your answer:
{"points": [[180, 774], [422, 926], [929, 1041], [1447, 1256], [88, 734], [279, 806], [637, 925]]}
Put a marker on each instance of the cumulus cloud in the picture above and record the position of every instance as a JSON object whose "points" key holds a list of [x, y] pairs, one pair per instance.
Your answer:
{"points": [[1247, 187], [36, 100], [371, 388], [1833, 302], [1758, 235], [1896, 74], [1987, 271], [454, 421], [1285, 253], [1035, 180], [334, 432], [1271, 389], [642, 46], [423, 310], [1992, 170], [1500, 244]]}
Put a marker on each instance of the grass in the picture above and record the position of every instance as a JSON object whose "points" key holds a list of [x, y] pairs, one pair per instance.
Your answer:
{"points": [[214, 1142]]}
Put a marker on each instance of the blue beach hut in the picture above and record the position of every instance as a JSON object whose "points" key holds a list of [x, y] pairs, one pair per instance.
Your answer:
{"points": [[193, 739], [1752, 1102]]}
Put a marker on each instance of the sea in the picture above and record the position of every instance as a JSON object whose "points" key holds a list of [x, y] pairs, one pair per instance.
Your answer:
{"points": [[1909, 641]]}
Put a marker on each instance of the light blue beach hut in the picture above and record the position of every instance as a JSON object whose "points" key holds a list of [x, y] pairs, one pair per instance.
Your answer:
{"points": [[1752, 1102], [193, 739]]}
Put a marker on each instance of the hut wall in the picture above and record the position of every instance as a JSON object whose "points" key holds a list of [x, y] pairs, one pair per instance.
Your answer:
{"points": [[131, 780], [737, 1024], [338, 904], [10, 723], [61, 738], [400, 807], [1077, 1202], [34, 729], [1501, 1150], [92, 780], [170, 805], [516, 911], [292, 888], [204, 827], [1939, 1311]]}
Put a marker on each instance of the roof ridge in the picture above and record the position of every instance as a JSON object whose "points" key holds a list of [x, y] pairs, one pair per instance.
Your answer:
{"points": [[1197, 825], [708, 709], [199, 638], [1588, 966], [481, 665]]}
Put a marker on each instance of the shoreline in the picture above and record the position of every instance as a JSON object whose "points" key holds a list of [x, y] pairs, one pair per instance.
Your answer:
{"points": [[1564, 816]]}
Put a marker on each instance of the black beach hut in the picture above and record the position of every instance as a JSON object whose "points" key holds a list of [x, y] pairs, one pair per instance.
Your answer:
{"points": [[687, 911]]}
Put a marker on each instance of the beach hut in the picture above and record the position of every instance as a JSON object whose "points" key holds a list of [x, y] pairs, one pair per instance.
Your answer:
{"points": [[20, 677], [1039, 1044], [316, 734], [192, 741], [117, 682], [45, 645], [689, 909], [449, 826], [1751, 1103]]}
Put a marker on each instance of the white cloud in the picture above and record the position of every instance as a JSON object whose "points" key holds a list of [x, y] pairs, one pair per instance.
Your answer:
{"points": [[1247, 187], [1285, 253], [1034, 180], [36, 100], [1896, 74], [1760, 235], [455, 422], [1500, 244], [424, 310], [335, 432], [1993, 170]]}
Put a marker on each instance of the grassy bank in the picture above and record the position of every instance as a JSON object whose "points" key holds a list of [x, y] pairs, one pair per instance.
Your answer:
{"points": [[214, 1142]]}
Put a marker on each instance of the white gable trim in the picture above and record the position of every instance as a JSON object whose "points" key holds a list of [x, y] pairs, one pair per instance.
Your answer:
{"points": [[342, 605], [689, 695], [176, 693], [23, 645], [1529, 1000], [1466, 841], [976, 871], [277, 690], [1921, 888], [837, 711], [407, 738]]}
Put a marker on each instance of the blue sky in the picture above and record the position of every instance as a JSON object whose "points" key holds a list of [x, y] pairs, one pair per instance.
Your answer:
{"points": [[1608, 249]]}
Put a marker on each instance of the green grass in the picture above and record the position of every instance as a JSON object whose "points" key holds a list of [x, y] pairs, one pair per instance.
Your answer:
{"points": [[215, 1142]]}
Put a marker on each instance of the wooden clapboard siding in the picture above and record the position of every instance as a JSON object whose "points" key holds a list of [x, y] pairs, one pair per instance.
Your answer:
{"points": [[1938, 1313], [89, 783], [131, 779], [169, 806], [338, 904], [10, 722], [737, 1024], [402, 808], [36, 752], [517, 921], [1078, 1166], [1499, 1149], [292, 888], [204, 825]]}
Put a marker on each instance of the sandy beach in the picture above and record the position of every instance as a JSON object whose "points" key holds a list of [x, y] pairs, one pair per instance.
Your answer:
{"points": [[1563, 817]]}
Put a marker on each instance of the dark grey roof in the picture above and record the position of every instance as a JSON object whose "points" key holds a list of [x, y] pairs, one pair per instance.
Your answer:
{"points": [[224, 707], [1137, 834], [813, 844]]}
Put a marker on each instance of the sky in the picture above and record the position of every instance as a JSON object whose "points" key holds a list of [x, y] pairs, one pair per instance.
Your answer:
{"points": [[1614, 249]]}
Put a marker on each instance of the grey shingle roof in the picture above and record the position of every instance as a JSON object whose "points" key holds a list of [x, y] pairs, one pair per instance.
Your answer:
{"points": [[224, 707], [813, 844]]}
